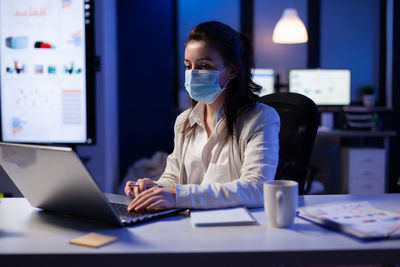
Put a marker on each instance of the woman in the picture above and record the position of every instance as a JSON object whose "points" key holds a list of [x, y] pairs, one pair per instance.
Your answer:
{"points": [[226, 144]]}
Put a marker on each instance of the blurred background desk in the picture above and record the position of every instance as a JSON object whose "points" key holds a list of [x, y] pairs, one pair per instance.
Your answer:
{"points": [[352, 161], [356, 133], [31, 237]]}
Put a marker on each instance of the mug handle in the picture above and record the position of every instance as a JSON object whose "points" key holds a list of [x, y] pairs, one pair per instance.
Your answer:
{"points": [[279, 199]]}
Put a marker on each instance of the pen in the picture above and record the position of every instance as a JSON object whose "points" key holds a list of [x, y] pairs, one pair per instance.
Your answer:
{"points": [[147, 186]]}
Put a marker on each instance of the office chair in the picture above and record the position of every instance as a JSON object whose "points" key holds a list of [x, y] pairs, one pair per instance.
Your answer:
{"points": [[299, 124]]}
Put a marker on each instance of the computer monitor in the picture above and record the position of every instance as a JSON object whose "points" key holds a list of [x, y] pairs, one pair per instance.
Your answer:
{"points": [[326, 87], [264, 78], [47, 71]]}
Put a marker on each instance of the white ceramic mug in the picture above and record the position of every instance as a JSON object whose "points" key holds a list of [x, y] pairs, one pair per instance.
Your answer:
{"points": [[280, 202]]}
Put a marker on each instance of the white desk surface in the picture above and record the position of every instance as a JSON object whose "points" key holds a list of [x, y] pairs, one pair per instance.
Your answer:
{"points": [[30, 236]]}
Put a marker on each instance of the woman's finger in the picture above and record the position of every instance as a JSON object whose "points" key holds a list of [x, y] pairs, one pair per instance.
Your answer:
{"points": [[148, 202], [159, 204], [128, 189], [138, 206], [143, 196], [137, 189], [142, 185]]}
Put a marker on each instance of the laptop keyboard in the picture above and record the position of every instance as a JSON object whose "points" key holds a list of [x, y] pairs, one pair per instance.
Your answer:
{"points": [[133, 217], [121, 211]]}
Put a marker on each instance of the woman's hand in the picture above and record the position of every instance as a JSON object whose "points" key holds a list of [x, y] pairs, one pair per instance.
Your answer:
{"points": [[154, 198], [142, 185]]}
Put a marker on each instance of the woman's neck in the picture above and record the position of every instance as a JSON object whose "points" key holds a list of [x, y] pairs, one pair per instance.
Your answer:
{"points": [[210, 109]]}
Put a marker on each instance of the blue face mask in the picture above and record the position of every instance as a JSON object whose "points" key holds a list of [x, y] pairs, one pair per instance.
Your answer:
{"points": [[203, 85]]}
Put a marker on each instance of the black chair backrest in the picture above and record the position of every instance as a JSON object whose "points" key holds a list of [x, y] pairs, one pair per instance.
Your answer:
{"points": [[299, 124]]}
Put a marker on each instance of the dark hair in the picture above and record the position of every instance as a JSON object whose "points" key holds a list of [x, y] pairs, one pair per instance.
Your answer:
{"points": [[235, 49]]}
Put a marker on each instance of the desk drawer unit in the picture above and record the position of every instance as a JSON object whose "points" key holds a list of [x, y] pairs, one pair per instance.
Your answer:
{"points": [[363, 170]]}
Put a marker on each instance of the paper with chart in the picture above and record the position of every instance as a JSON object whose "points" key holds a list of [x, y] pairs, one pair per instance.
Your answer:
{"points": [[357, 218]]}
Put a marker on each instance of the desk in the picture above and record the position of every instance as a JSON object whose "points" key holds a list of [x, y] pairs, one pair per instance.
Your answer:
{"points": [[29, 237]]}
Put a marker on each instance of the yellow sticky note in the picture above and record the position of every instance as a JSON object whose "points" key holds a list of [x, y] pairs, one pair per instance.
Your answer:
{"points": [[93, 240]]}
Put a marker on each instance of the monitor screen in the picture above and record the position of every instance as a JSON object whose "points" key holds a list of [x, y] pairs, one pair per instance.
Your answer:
{"points": [[46, 81], [326, 87], [264, 78]]}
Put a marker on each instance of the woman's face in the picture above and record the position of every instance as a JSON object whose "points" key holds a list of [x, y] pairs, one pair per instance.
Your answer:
{"points": [[200, 56]]}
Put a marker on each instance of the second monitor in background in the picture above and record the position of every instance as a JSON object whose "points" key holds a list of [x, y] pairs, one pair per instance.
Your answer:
{"points": [[326, 87], [264, 78]]}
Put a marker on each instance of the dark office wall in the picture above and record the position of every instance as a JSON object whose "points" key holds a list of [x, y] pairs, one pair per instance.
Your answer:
{"points": [[350, 39], [145, 56]]}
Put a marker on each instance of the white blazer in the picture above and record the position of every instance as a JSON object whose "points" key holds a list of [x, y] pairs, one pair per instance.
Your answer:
{"points": [[253, 158]]}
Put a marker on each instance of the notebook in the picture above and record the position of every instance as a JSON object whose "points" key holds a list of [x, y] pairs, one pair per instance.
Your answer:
{"points": [[217, 217], [93, 240]]}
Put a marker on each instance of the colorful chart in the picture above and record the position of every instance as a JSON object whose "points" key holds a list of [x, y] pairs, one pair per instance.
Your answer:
{"points": [[42, 53]]}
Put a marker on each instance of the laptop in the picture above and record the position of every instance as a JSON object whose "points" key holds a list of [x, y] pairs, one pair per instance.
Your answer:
{"points": [[54, 179]]}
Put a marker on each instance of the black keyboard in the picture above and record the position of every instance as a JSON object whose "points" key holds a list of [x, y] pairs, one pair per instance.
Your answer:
{"points": [[121, 210], [134, 217]]}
